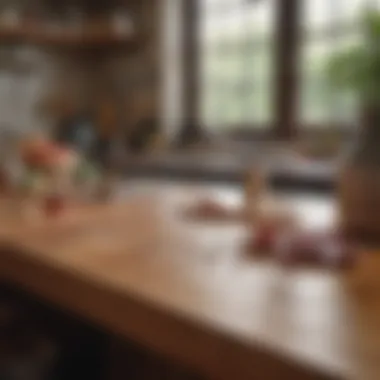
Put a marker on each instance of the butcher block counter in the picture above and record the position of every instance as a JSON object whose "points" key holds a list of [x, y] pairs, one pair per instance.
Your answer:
{"points": [[140, 269]]}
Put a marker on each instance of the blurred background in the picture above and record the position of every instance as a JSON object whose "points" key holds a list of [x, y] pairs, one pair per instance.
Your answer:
{"points": [[204, 90], [195, 68]]}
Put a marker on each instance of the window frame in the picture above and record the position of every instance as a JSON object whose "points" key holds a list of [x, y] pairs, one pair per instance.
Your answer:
{"points": [[289, 33]]}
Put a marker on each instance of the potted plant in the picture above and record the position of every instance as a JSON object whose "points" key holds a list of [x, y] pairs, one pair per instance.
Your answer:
{"points": [[357, 69]]}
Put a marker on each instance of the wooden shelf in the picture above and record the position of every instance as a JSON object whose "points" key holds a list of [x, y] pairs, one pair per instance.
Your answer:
{"points": [[66, 39], [10, 35]]}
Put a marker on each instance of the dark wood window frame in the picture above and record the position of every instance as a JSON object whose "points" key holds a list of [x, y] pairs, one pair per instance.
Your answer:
{"points": [[286, 85], [288, 34]]}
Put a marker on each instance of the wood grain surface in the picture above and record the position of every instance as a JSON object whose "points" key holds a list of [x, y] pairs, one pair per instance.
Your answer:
{"points": [[185, 289]]}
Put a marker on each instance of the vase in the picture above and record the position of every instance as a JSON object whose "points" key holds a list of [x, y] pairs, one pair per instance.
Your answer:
{"points": [[359, 182]]}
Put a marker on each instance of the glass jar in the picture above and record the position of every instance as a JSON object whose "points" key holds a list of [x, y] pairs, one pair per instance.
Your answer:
{"points": [[122, 23]]}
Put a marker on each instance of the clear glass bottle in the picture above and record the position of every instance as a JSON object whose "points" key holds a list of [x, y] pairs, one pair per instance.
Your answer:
{"points": [[255, 187]]}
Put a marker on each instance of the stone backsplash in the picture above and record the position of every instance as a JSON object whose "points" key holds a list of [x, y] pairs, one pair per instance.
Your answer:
{"points": [[31, 76]]}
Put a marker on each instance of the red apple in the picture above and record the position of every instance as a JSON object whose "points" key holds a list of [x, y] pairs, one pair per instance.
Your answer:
{"points": [[264, 237], [54, 205]]}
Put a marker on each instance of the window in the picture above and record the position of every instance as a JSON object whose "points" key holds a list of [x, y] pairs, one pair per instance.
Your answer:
{"points": [[328, 26], [236, 63]]}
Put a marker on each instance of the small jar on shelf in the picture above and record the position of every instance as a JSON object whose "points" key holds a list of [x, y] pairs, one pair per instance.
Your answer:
{"points": [[75, 20], [122, 23]]}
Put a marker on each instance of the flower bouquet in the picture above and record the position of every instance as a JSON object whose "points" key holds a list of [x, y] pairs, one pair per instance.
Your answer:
{"points": [[54, 175]]}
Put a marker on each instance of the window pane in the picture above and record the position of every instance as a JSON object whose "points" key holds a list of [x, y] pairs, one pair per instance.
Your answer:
{"points": [[315, 105], [317, 14], [236, 69], [331, 25], [321, 14], [354, 8]]}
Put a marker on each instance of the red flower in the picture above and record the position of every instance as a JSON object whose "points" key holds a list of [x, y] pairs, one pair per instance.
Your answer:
{"points": [[41, 154]]}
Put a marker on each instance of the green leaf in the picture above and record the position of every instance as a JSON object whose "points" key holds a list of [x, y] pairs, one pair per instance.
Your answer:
{"points": [[357, 69], [86, 171]]}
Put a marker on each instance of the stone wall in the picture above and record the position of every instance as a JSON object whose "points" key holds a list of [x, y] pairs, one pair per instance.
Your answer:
{"points": [[27, 76], [131, 79]]}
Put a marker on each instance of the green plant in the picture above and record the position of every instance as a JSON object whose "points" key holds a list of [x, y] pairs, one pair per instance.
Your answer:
{"points": [[357, 69]]}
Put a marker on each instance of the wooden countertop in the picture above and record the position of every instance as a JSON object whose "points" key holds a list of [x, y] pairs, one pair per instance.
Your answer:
{"points": [[142, 271]]}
